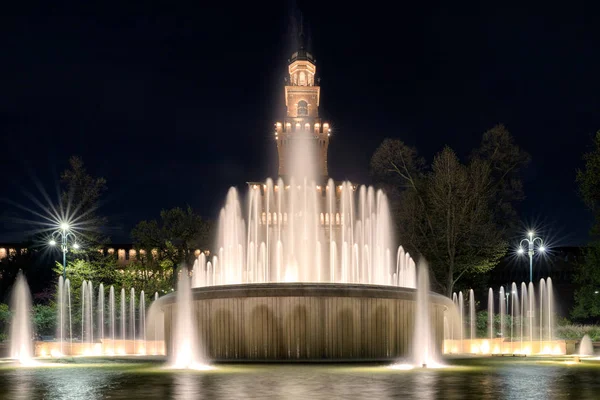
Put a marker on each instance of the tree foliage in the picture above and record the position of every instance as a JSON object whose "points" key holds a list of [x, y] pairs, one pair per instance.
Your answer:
{"points": [[587, 278], [44, 319], [588, 180], [174, 238], [506, 162], [454, 214], [80, 200], [587, 275]]}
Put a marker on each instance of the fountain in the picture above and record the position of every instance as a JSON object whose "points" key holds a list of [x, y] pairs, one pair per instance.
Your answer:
{"points": [[99, 332], [21, 332], [586, 348], [518, 318], [185, 353], [424, 349], [286, 238], [491, 313], [155, 334]]}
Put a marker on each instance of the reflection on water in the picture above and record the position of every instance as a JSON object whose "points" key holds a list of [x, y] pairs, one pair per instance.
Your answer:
{"points": [[482, 380], [22, 385], [187, 387]]}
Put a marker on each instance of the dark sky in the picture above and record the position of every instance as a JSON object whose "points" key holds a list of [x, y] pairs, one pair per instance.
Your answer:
{"points": [[174, 103]]}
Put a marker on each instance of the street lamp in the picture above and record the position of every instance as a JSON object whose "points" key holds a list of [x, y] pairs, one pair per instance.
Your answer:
{"points": [[66, 235], [530, 240]]}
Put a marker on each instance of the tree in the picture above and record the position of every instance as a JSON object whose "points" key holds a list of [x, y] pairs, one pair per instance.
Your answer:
{"points": [[450, 212], [80, 200], [587, 275], [588, 180], [506, 161], [174, 237]]}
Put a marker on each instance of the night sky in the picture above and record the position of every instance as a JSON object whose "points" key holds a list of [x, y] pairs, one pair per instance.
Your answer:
{"points": [[173, 104]]}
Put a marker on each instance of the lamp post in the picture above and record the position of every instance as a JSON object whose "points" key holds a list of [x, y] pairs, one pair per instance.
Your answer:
{"points": [[530, 240], [64, 234]]}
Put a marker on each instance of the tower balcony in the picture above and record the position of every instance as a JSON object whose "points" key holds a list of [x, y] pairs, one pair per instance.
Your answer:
{"points": [[302, 126]]}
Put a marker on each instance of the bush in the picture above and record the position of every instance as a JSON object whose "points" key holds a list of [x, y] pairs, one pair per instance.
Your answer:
{"points": [[482, 324], [44, 319], [4, 321], [576, 332]]}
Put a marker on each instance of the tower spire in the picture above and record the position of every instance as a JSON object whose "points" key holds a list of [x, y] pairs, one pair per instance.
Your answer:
{"points": [[301, 32]]}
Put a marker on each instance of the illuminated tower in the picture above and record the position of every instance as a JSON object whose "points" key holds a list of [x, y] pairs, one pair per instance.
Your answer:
{"points": [[302, 122]]}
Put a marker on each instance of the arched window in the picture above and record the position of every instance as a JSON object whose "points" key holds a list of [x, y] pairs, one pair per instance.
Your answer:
{"points": [[302, 80], [302, 108]]}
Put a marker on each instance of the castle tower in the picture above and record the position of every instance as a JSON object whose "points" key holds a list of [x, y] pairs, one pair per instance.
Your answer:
{"points": [[302, 121]]}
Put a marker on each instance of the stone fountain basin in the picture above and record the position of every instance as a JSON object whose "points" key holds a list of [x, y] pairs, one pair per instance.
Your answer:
{"points": [[306, 321]]}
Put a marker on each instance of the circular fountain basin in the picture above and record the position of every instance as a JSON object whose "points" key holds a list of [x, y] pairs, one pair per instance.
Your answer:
{"points": [[305, 321]]}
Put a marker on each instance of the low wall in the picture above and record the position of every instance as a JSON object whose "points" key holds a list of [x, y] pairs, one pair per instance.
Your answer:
{"points": [[293, 321], [102, 347], [501, 346]]}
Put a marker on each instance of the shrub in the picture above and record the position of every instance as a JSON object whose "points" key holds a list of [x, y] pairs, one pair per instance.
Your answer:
{"points": [[576, 332]]}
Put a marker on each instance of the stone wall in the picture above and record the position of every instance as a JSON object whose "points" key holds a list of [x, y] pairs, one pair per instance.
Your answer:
{"points": [[306, 321]]}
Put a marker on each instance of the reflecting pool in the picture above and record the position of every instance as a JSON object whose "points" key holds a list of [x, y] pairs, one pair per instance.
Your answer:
{"points": [[477, 378]]}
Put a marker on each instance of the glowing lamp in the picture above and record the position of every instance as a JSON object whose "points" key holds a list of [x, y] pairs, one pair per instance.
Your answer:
{"points": [[52, 242], [520, 250], [64, 226], [75, 246]]}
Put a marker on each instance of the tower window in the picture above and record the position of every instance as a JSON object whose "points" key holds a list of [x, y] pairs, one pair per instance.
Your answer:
{"points": [[302, 79], [302, 108]]}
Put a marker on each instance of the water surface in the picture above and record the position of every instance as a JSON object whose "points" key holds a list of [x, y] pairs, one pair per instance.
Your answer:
{"points": [[490, 378]]}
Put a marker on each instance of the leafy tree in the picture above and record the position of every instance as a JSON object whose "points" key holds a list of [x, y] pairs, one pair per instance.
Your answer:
{"points": [[587, 275], [80, 200], [451, 213], [588, 180], [174, 238], [506, 161]]}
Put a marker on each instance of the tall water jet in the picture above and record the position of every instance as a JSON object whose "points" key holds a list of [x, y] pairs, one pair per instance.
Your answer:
{"points": [[586, 348], [472, 313], [132, 316], [491, 313], [424, 353], [155, 326], [524, 306], [142, 330], [543, 301], [21, 332], [461, 319], [67, 293], [184, 354], [514, 313], [101, 312], [550, 308], [502, 312], [111, 308], [531, 315], [91, 312], [61, 315]]}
